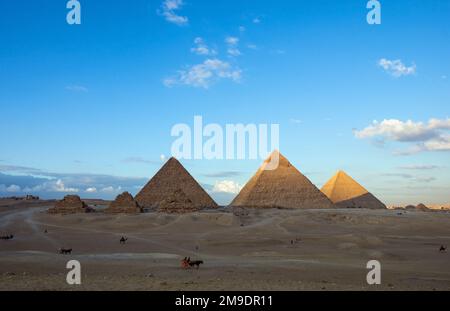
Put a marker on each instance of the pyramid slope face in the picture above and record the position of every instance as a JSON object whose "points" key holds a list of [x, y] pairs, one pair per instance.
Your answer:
{"points": [[171, 179], [284, 187], [177, 202], [344, 191]]}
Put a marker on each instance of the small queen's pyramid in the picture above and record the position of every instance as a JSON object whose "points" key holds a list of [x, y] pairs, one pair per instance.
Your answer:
{"points": [[173, 184], [283, 186], [345, 192]]}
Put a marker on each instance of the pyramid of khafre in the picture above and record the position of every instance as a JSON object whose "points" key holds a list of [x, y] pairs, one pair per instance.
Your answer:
{"points": [[345, 192], [282, 187], [173, 180]]}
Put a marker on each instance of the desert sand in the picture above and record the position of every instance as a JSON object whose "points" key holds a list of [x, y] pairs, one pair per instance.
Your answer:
{"points": [[242, 249]]}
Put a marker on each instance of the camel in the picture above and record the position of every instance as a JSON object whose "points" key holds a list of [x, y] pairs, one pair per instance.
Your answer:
{"points": [[65, 251], [123, 240], [7, 237], [443, 249]]}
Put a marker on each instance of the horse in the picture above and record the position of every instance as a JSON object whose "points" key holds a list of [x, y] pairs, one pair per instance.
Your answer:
{"points": [[65, 251], [196, 263], [187, 263]]}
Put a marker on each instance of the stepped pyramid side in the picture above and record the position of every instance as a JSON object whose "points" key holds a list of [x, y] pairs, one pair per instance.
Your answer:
{"points": [[177, 202], [70, 204], [345, 192], [124, 203], [171, 179], [283, 187]]}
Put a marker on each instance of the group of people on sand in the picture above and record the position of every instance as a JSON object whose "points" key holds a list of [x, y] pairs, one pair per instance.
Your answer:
{"points": [[7, 237]]}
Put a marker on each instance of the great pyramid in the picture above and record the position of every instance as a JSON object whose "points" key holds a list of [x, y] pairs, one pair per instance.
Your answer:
{"points": [[173, 184], [283, 187], [345, 192]]}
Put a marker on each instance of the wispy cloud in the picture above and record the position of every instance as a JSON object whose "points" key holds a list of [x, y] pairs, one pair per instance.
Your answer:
{"points": [[431, 136], [256, 20], [278, 52], [205, 74], [19, 169], [77, 88], [201, 48], [396, 68], [413, 178], [296, 121], [232, 43], [419, 167], [140, 160], [223, 174], [168, 10]]}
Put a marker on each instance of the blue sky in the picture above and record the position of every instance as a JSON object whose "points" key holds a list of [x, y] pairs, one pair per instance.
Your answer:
{"points": [[89, 108]]}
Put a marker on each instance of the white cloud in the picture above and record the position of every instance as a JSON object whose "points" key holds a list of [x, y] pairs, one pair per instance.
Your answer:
{"points": [[226, 186], [168, 8], [396, 67], [234, 52], [201, 48], [13, 188], [296, 121], [431, 136], [51, 186], [111, 189], [252, 46], [241, 28], [232, 40], [91, 190], [59, 186], [256, 20], [206, 73]]}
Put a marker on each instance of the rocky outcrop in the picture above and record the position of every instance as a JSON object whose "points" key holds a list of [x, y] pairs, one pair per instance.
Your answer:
{"points": [[124, 203]]}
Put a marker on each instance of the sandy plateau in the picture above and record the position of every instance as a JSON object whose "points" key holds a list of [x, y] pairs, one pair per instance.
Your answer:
{"points": [[242, 249]]}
